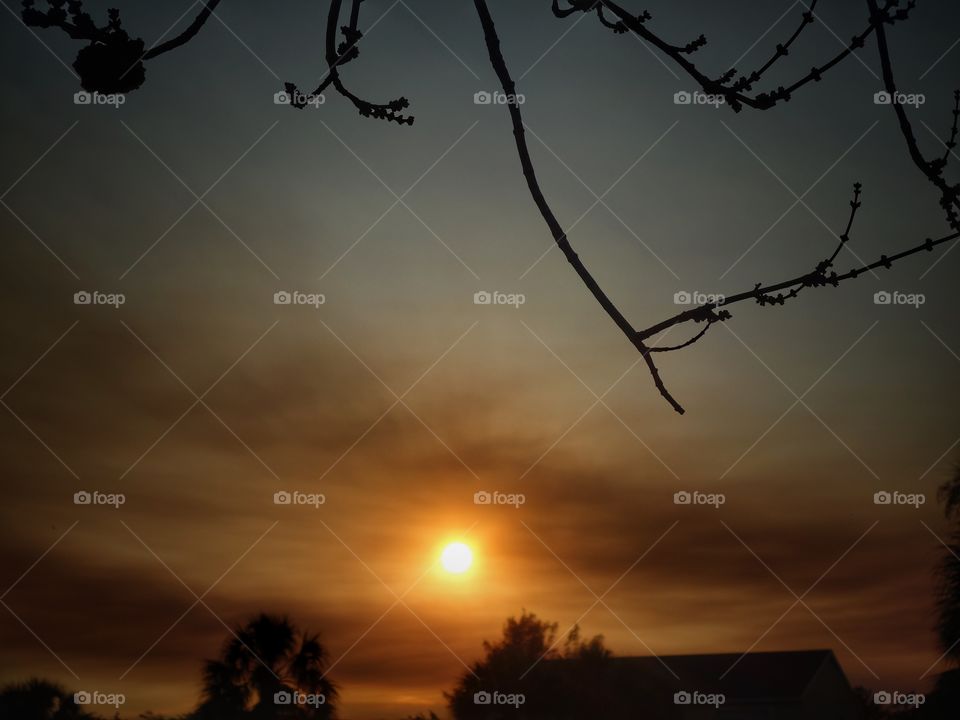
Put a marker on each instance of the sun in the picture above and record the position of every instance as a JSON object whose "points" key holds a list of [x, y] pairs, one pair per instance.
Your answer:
{"points": [[456, 558]]}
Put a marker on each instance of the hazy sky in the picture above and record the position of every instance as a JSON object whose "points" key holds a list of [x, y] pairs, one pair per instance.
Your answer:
{"points": [[798, 415]]}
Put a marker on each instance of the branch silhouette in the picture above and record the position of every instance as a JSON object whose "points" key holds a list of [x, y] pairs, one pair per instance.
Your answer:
{"points": [[187, 35], [736, 90], [339, 55], [113, 62], [559, 236], [764, 295]]}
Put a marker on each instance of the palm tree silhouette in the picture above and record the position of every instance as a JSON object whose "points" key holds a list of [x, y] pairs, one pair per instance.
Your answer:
{"points": [[39, 700], [268, 669]]}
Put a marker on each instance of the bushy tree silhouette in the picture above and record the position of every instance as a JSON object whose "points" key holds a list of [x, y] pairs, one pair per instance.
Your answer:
{"points": [[943, 701], [548, 678], [39, 700], [948, 597], [268, 669]]}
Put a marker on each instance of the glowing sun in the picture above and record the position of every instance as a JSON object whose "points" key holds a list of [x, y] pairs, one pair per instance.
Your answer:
{"points": [[456, 558]]}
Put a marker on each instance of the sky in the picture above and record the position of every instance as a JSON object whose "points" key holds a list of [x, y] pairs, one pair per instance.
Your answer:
{"points": [[399, 398]]}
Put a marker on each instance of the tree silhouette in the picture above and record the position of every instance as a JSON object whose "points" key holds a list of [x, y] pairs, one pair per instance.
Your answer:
{"points": [[948, 599], [39, 700], [268, 669], [944, 700], [566, 679], [113, 61]]}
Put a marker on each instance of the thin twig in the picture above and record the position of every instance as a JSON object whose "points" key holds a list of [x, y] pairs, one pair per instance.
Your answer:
{"points": [[187, 35], [533, 185]]}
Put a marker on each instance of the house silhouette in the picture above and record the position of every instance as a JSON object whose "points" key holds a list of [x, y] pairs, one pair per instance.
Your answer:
{"points": [[794, 685]]}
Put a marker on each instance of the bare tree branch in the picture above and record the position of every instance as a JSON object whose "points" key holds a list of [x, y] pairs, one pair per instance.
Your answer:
{"points": [[187, 35], [772, 294], [113, 62], [559, 236], [949, 194], [339, 55], [736, 92], [698, 314], [783, 49]]}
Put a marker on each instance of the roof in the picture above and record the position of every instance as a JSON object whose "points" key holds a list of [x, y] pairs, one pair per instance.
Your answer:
{"points": [[755, 676]]}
